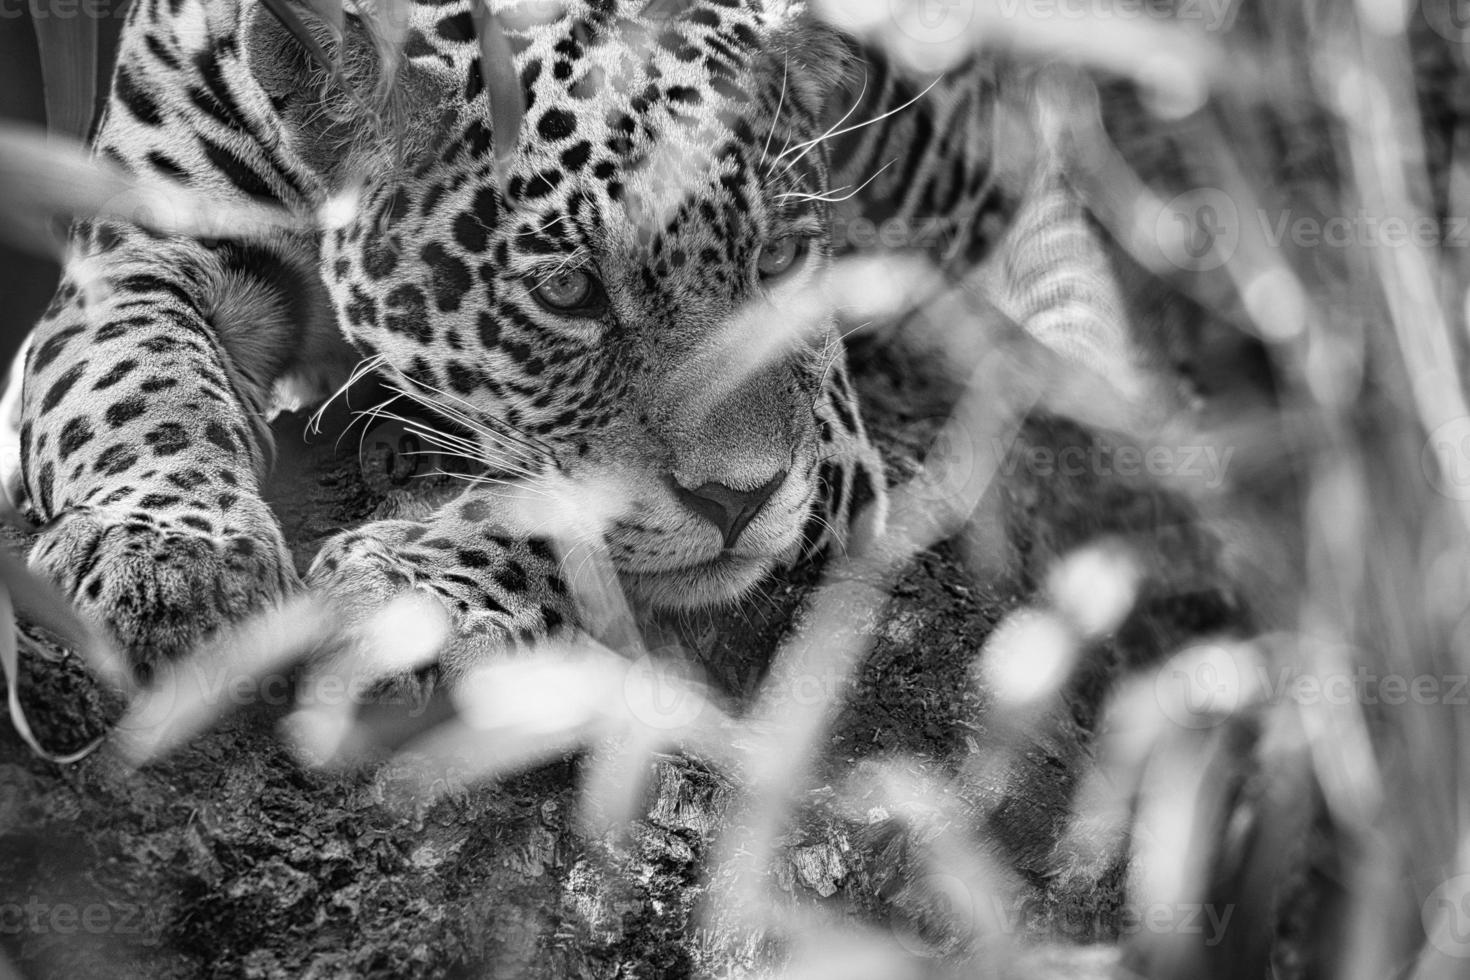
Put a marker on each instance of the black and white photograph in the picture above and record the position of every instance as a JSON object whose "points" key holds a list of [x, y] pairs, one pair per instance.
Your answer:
{"points": [[735, 489]]}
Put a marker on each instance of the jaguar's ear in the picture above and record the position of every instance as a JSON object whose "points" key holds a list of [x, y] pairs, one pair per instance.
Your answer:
{"points": [[817, 62]]}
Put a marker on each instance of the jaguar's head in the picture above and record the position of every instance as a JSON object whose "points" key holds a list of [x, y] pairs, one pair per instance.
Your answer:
{"points": [[631, 303]]}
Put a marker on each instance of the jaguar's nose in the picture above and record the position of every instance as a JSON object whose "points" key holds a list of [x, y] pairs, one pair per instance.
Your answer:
{"points": [[726, 508]]}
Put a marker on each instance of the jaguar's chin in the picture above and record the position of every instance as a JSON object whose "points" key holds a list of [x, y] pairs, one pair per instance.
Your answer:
{"points": [[718, 582]]}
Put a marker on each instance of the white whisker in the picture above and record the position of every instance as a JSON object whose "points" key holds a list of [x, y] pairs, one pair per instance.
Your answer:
{"points": [[831, 134], [828, 198], [476, 421], [780, 104], [845, 117], [364, 367]]}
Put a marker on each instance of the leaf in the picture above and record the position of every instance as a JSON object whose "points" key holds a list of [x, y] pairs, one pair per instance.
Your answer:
{"points": [[68, 49]]}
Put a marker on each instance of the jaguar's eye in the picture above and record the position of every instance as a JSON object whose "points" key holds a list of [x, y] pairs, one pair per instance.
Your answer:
{"points": [[778, 257], [574, 292]]}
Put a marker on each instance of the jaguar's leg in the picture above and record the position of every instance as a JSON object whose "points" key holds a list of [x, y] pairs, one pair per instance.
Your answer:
{"points": [[500, 590], [143, 441]]}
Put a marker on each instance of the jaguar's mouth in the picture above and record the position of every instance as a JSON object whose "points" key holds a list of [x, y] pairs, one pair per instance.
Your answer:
{"points": [[722, 579]]}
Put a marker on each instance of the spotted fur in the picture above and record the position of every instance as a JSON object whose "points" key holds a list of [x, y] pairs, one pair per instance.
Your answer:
{"points": [[653, 155]]}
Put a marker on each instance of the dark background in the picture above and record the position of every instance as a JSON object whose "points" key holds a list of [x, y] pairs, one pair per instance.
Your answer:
{"points": [[27, 278]]}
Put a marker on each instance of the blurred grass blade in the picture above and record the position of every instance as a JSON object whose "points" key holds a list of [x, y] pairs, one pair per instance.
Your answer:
{"points": [[832, 641], [330, 13], [42, 180], [503, 87], [43, 606], [68, 50], [283, 11], [598, 594], [39, 602], [517, 714], [10, 668], [190, 695], [617, 775], [575, 515], [399, 640], [1162, 55], [765, 330], [390, 33]]}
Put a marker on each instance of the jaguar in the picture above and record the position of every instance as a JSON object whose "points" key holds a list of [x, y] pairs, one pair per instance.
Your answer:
{"points": [[594, 303]]}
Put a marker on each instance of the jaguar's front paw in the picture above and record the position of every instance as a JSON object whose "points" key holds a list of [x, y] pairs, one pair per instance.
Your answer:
{"points": [[495, 593], [158, 584]]}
